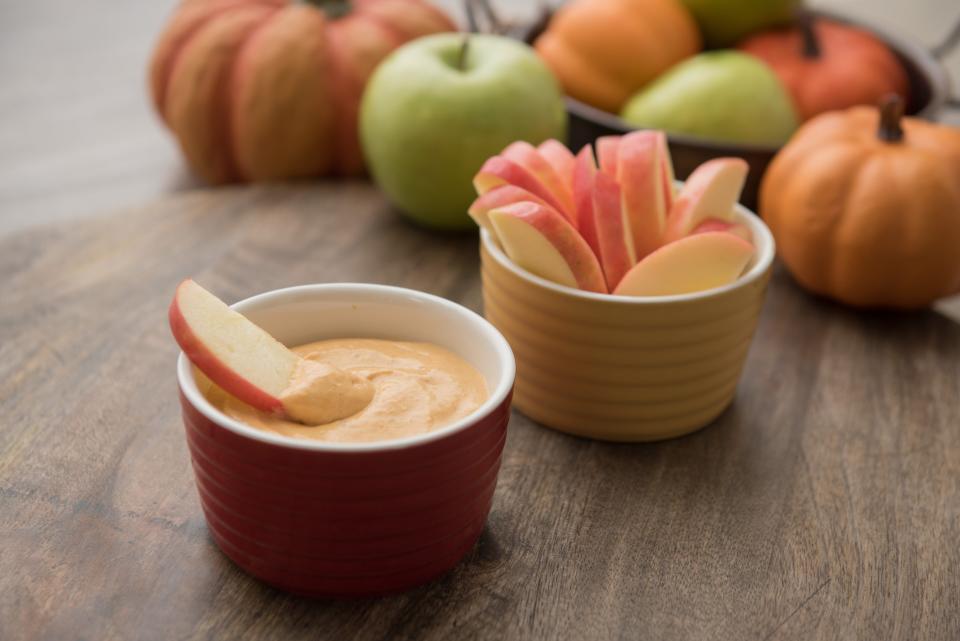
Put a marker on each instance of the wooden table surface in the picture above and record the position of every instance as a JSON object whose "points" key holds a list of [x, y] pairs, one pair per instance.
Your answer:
{"points": [[825, 504]]}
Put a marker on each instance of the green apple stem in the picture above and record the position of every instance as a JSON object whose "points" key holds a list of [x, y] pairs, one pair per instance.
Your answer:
{"points": [[811, 44], [462, 56], [891, 111], [333, 8]]}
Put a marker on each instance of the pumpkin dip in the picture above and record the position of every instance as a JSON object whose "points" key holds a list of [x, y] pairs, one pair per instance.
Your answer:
{"points": [[383, 389]]}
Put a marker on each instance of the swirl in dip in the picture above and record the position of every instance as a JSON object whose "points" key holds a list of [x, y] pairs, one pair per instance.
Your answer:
{"points": [[363, 389]]}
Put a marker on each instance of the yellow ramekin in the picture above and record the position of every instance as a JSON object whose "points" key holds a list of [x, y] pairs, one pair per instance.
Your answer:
{"points": [[623, 368]]}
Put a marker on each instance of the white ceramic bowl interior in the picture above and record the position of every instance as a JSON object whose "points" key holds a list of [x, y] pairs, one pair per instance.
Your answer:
{"points": [[298, 315]]}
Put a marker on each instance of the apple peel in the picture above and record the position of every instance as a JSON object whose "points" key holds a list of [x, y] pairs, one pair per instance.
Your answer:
{"points": [[737, 229], [584, 173], [530, 158], [608, 153], [209, 333], [499, 197], [559, 157], [540, 240], [711, 191], [617, 253], [247, 362], [640, 173], [498, 170]]}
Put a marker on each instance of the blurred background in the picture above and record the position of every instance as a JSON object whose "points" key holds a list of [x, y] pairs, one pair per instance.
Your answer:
{"points": [[77, 133]]}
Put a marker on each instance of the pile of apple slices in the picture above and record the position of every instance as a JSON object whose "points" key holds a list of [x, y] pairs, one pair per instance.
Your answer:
{"points": [[620, 227]]}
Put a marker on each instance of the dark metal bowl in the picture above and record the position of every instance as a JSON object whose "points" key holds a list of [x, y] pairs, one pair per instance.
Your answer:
{"points": [[929, 94]]}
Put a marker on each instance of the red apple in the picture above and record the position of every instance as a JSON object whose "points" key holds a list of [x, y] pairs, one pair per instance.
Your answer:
{"points": [[640, 174], [584, 170], [617, 254], [253, 366], [737, 229], [691, 264], [497, 171], [234, 353], [666, 165], [540, 240], [559, 157], [608, 152], [528, 157], [711, 191], [498, 197]]}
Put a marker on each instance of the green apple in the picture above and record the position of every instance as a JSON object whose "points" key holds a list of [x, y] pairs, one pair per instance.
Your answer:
{"points": [[724, 22], [438, 107], [721, 95]]}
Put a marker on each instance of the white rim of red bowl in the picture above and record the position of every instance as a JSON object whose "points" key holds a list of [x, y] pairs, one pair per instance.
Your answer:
{"points": [[480, 326], [762, 241]]}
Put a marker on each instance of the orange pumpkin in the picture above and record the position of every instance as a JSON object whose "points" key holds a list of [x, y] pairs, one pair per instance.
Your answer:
{"points": [[603, 51], [826, 65], [865, 207], [269, 89]]}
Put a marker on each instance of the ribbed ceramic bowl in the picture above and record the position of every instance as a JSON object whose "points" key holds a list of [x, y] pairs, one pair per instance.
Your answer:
{"points": [[625, 368], [348, 520]]}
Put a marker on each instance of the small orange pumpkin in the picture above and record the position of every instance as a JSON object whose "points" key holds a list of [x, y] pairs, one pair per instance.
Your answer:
{"points": [[269, 89], [865, 207], [827, 66], [603, 51]]}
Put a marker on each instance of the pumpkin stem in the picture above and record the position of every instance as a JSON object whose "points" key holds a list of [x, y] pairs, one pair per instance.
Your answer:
{"points": [[811, 43], [333, 8], [891, 111], [462, 56]]}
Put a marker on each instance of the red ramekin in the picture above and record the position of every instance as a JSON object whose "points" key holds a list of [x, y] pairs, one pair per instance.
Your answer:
{"points": [[352, 519]]}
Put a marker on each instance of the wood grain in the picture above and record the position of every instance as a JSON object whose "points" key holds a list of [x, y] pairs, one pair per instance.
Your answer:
{"points": [[825, 504]]}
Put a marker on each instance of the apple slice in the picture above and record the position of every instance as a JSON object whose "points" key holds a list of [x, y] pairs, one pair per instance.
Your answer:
{"points": [[737, 229], [640, 174], [691, 264], [540, 240], [233, 352], [528, 157], [666, 166], [617, 254], [498, 197], [608, 152], [559, 157], [711, 191], [497, 171], [253, 366], [584, 170]]}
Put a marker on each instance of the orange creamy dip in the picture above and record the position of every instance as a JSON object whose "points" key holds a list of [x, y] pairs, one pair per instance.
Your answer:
{"points": [[397, 389]]}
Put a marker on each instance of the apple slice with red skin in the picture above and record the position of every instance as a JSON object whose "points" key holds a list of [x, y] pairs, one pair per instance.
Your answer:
{"points": [[209, 332], [498, 197], [608, 153], [608, 150], [617, 254], [691, 264], [530, 158], [540, 240], [640, 174], [666, 166], [584, 171], [559, 157], [247, 362], [737, 229], [497, 171], [711, 191]]}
